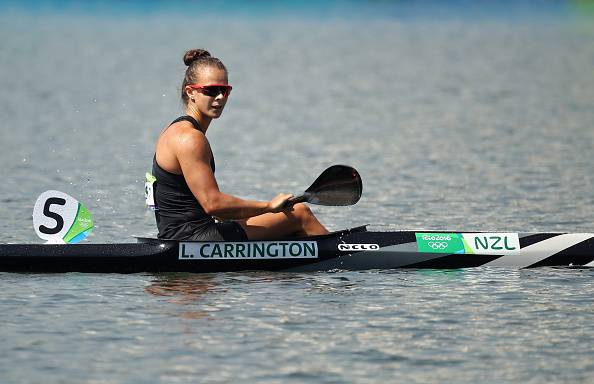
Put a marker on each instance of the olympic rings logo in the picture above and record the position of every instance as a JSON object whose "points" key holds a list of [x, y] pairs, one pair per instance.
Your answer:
{"points": [[437, 245]]}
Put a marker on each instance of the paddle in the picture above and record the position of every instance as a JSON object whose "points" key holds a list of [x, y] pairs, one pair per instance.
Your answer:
{"points": [[337, 185]]}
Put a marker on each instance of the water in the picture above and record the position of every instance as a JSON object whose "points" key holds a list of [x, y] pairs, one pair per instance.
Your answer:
{"points": [[491, 325], [458, 117]]}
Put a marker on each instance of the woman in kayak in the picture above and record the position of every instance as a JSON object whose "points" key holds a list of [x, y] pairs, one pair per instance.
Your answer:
{"points": [[186, 193]]}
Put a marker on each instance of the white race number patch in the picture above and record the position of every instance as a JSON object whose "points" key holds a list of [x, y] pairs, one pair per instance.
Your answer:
{"points": [[149, 191]]}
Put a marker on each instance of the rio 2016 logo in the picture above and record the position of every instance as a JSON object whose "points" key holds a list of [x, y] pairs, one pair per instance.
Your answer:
{"points": [[437, 237], [440, 243]]}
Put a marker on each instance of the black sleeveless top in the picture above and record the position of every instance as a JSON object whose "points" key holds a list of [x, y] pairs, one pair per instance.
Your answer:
{"points": [[179, 215]]}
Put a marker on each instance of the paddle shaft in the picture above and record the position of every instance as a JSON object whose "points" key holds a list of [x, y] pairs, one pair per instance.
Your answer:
{"points": [[296, 199]]}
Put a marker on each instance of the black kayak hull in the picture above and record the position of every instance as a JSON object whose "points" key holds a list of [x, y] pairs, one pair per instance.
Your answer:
{"points": [[353, 249]]}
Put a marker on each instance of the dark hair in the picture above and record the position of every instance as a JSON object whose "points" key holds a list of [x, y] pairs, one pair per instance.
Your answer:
{"points": [[195, 59]]}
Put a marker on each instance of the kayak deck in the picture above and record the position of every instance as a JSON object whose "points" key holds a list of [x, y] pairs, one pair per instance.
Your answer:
{"points": [[352, 249]]}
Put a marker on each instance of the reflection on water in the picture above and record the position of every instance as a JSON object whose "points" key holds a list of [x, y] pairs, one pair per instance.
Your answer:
{"points": [[445, 273], [201, 295], [183, 289]]}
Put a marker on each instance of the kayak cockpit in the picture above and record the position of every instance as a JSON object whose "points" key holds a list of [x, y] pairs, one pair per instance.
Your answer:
{"points": [[339, 233]]}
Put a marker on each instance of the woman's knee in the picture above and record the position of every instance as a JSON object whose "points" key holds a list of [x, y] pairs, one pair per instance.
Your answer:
{"points": [[302, 211]]}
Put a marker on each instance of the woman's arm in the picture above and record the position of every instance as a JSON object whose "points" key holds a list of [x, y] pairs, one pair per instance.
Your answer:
{"points": [[194, 156]]}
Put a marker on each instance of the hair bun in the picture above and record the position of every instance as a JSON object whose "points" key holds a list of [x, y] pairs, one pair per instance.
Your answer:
{"points": [[195, 54]]}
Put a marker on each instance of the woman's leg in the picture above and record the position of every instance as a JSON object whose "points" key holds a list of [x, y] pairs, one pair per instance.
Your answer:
{"points": [[299, 221]]}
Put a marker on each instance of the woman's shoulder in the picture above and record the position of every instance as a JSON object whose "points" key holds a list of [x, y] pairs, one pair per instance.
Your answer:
{"points": [[182, 124], [183, 138], [184, 129]]}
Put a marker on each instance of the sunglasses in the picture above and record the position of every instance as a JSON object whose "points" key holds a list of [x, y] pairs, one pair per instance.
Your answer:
{"points": [[212, 90]]}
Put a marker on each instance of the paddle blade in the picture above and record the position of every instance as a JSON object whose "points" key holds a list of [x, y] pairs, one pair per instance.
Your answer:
{"points": [[337, 185]]}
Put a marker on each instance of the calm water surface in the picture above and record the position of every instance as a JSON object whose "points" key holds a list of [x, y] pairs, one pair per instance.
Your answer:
{"points": [[457, 119]]}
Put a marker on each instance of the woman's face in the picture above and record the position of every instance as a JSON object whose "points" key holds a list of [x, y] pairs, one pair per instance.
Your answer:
{"points": [[208, 106]]}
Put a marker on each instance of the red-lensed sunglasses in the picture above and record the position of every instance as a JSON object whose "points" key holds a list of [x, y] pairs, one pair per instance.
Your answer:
{"points": [[212, 90]]}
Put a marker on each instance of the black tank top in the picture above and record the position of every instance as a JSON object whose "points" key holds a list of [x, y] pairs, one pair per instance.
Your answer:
{"points": [[179, 215]]}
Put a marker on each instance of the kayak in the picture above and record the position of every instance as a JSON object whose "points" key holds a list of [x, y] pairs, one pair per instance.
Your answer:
{"points": [[351, 249], [64, 222]]}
